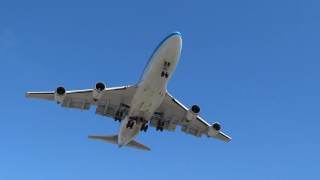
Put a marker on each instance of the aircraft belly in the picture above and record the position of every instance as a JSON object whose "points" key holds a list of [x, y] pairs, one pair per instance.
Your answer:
{"points": [[152, 87], [127, 134], [146, 101]]}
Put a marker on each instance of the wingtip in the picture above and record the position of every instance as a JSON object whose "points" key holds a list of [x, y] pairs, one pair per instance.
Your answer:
{"points": [[227, 138], [147, 149]]}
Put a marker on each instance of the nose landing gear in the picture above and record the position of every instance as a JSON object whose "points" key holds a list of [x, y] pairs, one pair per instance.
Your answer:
{"points": [[164, 74], [165, 69]]}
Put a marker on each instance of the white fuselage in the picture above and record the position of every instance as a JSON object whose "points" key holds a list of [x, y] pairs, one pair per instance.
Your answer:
{"points": [[152, 86]]}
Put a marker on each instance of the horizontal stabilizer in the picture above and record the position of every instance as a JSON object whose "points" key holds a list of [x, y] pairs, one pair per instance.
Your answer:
{"points": [[114, 140], [137, 145], [110, 139]]}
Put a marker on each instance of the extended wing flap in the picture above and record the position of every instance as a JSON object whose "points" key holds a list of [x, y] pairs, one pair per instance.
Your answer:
{"points": [[222, 136]]}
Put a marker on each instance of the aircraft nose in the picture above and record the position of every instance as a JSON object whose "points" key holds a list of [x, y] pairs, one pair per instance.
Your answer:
{"points": [[173, 45], [175, 38]]}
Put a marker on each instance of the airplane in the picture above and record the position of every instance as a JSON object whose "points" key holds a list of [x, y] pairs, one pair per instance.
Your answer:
{"points": [[136, 107]]}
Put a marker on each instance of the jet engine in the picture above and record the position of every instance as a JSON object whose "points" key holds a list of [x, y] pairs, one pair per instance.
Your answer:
{"points": [[195, 109], [60, 94], [99, 87], [216, 126], [193, 113], [214, 129]]}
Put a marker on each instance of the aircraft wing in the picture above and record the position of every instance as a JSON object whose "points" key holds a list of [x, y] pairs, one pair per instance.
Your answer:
{"points": [[174, 113], [113, 102]]}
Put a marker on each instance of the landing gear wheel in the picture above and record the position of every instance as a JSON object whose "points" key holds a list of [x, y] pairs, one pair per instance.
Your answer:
{"points": [[166, 75], [162, 74], [130, 124], [118, 116], [144, 127], [158, 128]]}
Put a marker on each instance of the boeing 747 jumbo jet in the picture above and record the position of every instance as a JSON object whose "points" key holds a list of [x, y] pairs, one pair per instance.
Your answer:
{"points": [[147, 103]]}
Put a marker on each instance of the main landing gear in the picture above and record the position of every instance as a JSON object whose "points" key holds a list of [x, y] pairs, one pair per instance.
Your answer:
{"points": [[160, 126], [130, 124], [118, 116], [133, 120], [144, 127]]}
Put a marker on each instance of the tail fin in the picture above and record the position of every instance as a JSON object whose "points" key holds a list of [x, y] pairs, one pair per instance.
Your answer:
{"points": [[114, 140]]}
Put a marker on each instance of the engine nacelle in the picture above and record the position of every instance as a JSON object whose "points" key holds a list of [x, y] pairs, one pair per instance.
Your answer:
{"points": [[193, 113], [60, 94], [214, 129], [99, 87], [216, 126], [195, 109]]}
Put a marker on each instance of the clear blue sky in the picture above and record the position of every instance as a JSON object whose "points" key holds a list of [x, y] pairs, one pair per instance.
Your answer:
{"points": [[252, 65]]}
